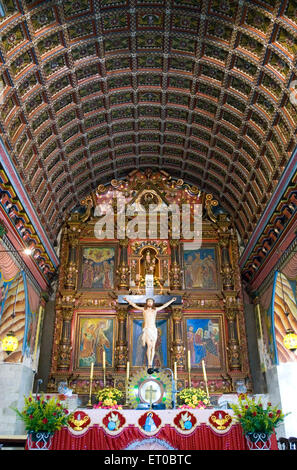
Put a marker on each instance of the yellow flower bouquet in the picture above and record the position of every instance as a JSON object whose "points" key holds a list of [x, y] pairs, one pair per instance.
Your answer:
{"points": [[193, 398], [109, 397]]}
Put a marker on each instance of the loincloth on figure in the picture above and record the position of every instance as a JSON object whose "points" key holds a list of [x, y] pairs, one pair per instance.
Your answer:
{"points": [[149, 334]]}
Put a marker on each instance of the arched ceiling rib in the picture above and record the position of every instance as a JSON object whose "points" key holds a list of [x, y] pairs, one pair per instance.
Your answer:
{"points": [[201, 89]]}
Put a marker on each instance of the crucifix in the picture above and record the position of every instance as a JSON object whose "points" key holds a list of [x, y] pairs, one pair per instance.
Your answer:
{"points": [[150, 394], [149, 331]]}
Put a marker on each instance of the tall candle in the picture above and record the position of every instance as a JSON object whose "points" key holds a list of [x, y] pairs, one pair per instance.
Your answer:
{"points": [[189, 360], [104, 359], [175, 371], [128, 369], [92, 370], [204, 372]]}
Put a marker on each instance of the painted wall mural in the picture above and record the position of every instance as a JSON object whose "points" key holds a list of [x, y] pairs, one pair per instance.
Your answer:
{"points": [[284, 303], [275, 322], [20, 312]]}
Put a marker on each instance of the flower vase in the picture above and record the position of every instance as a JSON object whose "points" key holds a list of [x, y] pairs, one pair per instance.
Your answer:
{"points": [[39, 440], [258, 440]]}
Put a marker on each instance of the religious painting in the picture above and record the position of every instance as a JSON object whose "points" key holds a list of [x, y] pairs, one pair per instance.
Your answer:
{"points": [[200, 267], [139, 351], [95, 334], [97, 267], [204, 341]]}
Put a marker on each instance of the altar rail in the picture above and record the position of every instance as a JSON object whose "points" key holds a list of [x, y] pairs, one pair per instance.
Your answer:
{"points": [[13, 441]]}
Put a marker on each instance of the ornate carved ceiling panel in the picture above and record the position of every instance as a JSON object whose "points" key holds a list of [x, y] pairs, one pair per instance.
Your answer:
{"points": [[201, 89]]}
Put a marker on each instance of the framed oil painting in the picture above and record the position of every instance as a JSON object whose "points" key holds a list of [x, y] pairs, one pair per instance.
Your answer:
{"points": [[139, 351], [97, 267], [200, 267], [94, 334], [204, 340]]}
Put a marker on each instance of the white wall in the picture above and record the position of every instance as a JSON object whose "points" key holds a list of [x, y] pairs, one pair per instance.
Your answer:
{"points": [[282, 390], [16, 381]]}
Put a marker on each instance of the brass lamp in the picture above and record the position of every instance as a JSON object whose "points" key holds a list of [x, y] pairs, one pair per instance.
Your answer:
{"points": [[10, 343], [290, 340]]}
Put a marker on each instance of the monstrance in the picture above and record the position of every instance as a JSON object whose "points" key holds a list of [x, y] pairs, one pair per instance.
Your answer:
{"points": [[150, 389]]}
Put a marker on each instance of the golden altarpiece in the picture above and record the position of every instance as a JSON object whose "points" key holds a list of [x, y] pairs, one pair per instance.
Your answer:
{"points": [[93, 322]]}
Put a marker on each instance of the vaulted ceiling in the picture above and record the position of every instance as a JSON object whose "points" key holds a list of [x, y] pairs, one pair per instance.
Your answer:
{"points": [[201, 89]]}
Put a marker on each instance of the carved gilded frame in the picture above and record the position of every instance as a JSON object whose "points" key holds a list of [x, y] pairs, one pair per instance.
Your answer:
{"points": [[102, 321], [93, 245], [208, 343], [211, 248]]}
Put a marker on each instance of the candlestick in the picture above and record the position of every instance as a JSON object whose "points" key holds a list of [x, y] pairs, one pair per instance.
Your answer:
{"points": [[89, 405], [128, 370], [104, 359], [189, 360], [205, 378], [104, 368], [189, 367], [127, 380]]}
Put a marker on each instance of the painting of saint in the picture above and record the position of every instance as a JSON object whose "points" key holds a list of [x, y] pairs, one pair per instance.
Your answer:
{"points": [[139, 352], [200, 268], [97, 268], [95, 336], [203, 342]]}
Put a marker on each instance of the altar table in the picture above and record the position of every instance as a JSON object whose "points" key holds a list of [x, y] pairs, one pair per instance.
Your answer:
{"points": [[179, 429]]}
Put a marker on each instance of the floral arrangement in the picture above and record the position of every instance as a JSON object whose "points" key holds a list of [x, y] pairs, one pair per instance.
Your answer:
{"points": [[43, 414], [254, 417], [193, 398], [108, 397]]}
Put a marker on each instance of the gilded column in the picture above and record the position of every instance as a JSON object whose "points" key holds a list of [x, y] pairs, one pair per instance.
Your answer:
{"points": [[178, 348], [71, 269], [121, 350], [175, 270], [65, 346], [123, 271], [227, 271], [224, 227], [233, 348]]}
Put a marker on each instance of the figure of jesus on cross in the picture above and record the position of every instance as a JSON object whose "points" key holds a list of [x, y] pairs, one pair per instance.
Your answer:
{"points": [[149, 331]]}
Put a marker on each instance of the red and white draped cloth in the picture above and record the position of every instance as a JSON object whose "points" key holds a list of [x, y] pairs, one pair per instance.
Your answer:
{"points": [[179, 429]]}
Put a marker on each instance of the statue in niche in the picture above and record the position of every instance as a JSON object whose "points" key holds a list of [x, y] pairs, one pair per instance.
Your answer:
{"points": [[149, 264]]}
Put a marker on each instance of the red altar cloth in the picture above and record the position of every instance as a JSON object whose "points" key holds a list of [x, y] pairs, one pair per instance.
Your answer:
{"points": [[166, 436]]}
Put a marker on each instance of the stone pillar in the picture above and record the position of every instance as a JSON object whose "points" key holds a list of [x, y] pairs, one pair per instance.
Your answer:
{"points": [[121, 350], [65, 346], [178, 347], [16, 381], [123, 271]]}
